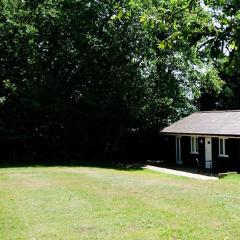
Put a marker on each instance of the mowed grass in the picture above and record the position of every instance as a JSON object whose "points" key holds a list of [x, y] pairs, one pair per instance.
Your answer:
{"points": [[39, 203]]}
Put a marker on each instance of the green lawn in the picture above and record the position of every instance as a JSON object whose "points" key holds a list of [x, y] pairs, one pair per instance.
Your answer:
{"points": [[38, 203]]}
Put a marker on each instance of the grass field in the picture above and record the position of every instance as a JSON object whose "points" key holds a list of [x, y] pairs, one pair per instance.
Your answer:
{"points": [[39, 203]]}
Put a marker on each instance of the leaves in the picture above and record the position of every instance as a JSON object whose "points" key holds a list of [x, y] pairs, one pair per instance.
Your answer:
{"points": [[85, 69]]}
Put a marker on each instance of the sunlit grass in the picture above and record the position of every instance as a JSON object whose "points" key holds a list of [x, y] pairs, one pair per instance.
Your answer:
{"points": [[96, 203]]}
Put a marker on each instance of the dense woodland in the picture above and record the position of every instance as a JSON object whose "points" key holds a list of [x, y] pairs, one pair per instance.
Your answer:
{"points": [[98, 79]]}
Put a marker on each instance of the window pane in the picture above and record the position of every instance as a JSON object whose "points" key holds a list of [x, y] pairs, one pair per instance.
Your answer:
{"points": [[221, 146], [196, 144], [193, 144]]}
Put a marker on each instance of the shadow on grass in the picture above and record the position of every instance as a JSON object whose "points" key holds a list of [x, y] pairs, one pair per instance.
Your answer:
{"points": [[75, 163]]}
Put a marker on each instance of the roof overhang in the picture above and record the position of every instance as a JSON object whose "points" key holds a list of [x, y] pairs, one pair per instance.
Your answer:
{"points": [[199, 134], [213, 123]]}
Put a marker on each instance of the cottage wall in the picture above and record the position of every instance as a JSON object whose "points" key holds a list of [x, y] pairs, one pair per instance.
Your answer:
{"points": [[167, 149], [230, 163], [219, 163], [193, 159]]}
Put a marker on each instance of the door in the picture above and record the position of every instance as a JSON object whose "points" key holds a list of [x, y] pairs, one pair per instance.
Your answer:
{"points": [[208, 153], [178, 150]]}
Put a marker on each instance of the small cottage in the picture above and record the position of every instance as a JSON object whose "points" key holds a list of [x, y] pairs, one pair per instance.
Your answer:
{"points": [[209, 140]]}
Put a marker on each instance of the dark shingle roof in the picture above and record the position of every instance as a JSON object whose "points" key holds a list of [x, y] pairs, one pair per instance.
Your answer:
{"points": [[208, 123]]}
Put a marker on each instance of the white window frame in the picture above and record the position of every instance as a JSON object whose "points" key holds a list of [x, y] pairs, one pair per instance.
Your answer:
{"points": [[194, 147], [224, 147]]}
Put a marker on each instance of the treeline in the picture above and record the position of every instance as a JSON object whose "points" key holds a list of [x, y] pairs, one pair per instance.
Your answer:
{"points": [[97, 79]]}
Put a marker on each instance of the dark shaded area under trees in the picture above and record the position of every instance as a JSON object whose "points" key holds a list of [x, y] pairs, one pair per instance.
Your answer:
{"points": [[97, 80]]}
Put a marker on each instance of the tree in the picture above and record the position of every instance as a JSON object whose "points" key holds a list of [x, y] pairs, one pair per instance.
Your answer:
{"points": [[222, 46], [85, 73]]}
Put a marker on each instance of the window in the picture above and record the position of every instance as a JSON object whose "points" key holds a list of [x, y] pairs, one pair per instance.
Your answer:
{"points": [[194, 144], [222, 147]]}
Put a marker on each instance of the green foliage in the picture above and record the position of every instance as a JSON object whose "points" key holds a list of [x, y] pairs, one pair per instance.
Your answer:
{"points": [[222, 45], [88, 69]]}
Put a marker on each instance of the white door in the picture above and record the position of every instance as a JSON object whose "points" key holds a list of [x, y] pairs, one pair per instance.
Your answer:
{"points": [[178, 150], [208, 153]]}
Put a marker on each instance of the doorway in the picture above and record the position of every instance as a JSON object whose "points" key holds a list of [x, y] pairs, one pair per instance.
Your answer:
{"points": [[208, 153]]}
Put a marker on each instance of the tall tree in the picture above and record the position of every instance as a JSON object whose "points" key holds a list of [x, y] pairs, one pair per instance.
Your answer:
{"points": [[86, 72], [222, 46]]}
